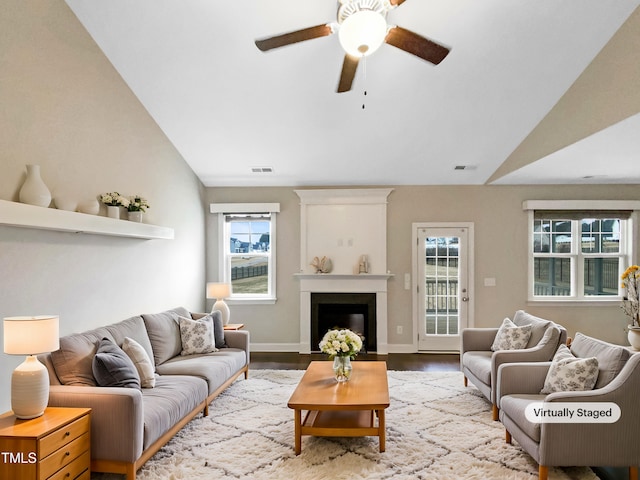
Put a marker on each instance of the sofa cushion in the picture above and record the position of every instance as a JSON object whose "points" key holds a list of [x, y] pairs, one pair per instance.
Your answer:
{"points": [[142, 362], [538, 326], [164, 335], [218, 329], [73, 360], [169, 402], [113, 368], [135, 329], [514, 407], [511, 337], [569, 374], [611, 358], [216, 368], [479, 363], [197, 335]]}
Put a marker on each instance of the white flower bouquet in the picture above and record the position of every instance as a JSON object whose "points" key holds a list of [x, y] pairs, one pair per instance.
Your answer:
{"points": [[114, 199], [137, 204], [341, 343]]}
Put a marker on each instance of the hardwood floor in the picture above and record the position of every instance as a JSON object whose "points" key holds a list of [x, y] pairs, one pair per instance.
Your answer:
{"points": [[424, 362]]}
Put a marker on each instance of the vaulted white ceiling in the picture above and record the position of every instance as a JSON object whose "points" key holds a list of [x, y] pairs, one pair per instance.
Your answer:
{"points": [[541, 91]]}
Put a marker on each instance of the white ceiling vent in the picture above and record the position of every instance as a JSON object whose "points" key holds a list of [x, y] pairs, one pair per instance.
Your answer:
{"points": [[261, 169]]}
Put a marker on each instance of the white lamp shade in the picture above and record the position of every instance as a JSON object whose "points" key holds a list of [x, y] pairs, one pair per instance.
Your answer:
{"points": [[31, 335], [218, 290], [362, 33]]}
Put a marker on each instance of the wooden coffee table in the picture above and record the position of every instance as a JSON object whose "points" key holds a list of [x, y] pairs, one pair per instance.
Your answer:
{"points": [[347, 409]]}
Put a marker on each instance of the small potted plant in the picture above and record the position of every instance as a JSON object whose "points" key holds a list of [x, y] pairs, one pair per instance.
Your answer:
{"points": [[113, 201], [342, 345], [136, 207]]}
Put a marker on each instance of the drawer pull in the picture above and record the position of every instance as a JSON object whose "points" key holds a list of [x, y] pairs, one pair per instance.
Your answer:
{"points": [[66, 454], [66, 434]]}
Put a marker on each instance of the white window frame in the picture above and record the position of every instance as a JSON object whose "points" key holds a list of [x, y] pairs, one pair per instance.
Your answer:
{"points": [[224, 257], [628, 247]]}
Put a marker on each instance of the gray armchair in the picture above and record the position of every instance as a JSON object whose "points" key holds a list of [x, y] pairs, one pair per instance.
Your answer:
{"points": [[480, 364], [576, 444]]}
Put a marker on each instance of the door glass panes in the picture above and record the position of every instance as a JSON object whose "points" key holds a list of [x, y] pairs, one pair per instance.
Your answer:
{"points": [[441, 285], [552, 276], [249, 248]]}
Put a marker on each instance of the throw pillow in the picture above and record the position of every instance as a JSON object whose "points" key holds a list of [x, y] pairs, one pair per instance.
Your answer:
{"points": [[218, 329], [511, 337], [570, 374], [142, 362], [113, 368], [197, 335]]}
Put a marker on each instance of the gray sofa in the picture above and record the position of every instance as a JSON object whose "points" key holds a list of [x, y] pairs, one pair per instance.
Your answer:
{"points": [[480, 364], [129, 425], [576, 444]]}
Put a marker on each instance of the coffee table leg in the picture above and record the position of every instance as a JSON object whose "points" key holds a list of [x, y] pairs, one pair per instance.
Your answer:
{"points": [[298, 430], [382, 430]]}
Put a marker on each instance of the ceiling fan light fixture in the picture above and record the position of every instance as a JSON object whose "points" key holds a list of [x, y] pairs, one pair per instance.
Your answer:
{"points": [[362, 33]]}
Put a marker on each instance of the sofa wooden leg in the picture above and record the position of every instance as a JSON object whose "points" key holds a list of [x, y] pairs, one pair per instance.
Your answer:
{"points": [[507, 436], [494, 412], [543, 472], [633, 473], [466, 382]]}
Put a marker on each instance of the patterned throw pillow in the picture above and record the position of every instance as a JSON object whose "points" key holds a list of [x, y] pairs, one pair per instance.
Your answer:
{"points": [[197, 336], [570, 374], [511, 337]]}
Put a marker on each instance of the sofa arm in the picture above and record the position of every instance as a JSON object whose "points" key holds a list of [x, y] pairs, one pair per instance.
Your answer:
{"points": [[117, 418], [238, 339], [520, 378], [477, 339]]}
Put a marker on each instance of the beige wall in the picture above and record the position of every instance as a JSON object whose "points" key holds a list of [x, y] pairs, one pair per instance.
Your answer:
{"points": [[500, 252], [65, 108]]}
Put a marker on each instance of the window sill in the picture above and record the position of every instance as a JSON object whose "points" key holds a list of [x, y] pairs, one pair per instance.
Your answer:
{"points": [[574, 303], [251, 301]]}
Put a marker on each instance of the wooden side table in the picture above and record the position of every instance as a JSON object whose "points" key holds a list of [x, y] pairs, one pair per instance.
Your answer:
{"points": [[54, 446], [234, 326]]}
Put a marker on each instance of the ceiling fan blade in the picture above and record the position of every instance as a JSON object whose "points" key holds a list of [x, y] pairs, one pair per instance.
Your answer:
{"points": [[294, 37], [349, 67], [416, 45]]}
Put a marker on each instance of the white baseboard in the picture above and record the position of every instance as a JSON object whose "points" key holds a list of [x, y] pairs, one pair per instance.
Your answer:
{"points": [[275, 347], [401, 348]]}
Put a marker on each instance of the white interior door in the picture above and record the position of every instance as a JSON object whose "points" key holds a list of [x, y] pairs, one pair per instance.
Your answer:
{"points": [[442, 292]]}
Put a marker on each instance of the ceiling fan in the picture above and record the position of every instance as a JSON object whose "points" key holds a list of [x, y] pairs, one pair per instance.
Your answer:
{"points": [[362, 28]]}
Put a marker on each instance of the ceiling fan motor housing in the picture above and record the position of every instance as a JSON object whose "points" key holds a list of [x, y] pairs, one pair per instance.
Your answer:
{"points": [[349, 7]]}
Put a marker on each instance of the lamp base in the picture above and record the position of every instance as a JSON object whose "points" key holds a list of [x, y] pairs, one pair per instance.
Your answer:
{"points": [[224, 311], [29, 389]]}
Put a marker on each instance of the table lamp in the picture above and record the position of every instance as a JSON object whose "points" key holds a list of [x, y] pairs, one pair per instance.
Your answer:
{"points": [[220, 291], [30, 336]]}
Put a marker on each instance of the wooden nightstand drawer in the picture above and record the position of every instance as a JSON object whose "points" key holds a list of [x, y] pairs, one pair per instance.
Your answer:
{"points": [[75, 470], [64, 456], [61, 437]]}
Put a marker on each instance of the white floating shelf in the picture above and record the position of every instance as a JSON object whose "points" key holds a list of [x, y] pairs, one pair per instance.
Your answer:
{"points": [[28, 216]]}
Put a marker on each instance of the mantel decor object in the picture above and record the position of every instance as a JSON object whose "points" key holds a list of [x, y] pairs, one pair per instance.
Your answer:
{"points": [[322, 265], [34, 191], [30, 336]]}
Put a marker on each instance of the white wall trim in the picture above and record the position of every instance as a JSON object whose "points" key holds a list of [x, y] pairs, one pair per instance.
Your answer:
{"points": [[581, 205], [244, 207]]}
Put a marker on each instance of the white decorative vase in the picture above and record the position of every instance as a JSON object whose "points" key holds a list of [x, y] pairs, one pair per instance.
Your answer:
{"points": [[342, 368], [34, 191], [634, 337], [113, 211], [135, 216], [91, 207]]}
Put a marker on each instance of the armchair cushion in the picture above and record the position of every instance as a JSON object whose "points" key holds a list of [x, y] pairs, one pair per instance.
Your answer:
{"points": [[538, 326], [611, 358], [511, 337], [568, 373]]}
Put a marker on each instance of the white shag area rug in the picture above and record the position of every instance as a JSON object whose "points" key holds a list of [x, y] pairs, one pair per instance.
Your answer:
{"points": [[436, 430]]}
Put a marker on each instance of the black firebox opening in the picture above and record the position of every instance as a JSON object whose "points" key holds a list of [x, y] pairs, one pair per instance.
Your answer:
{"points": [[355, 311]]}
